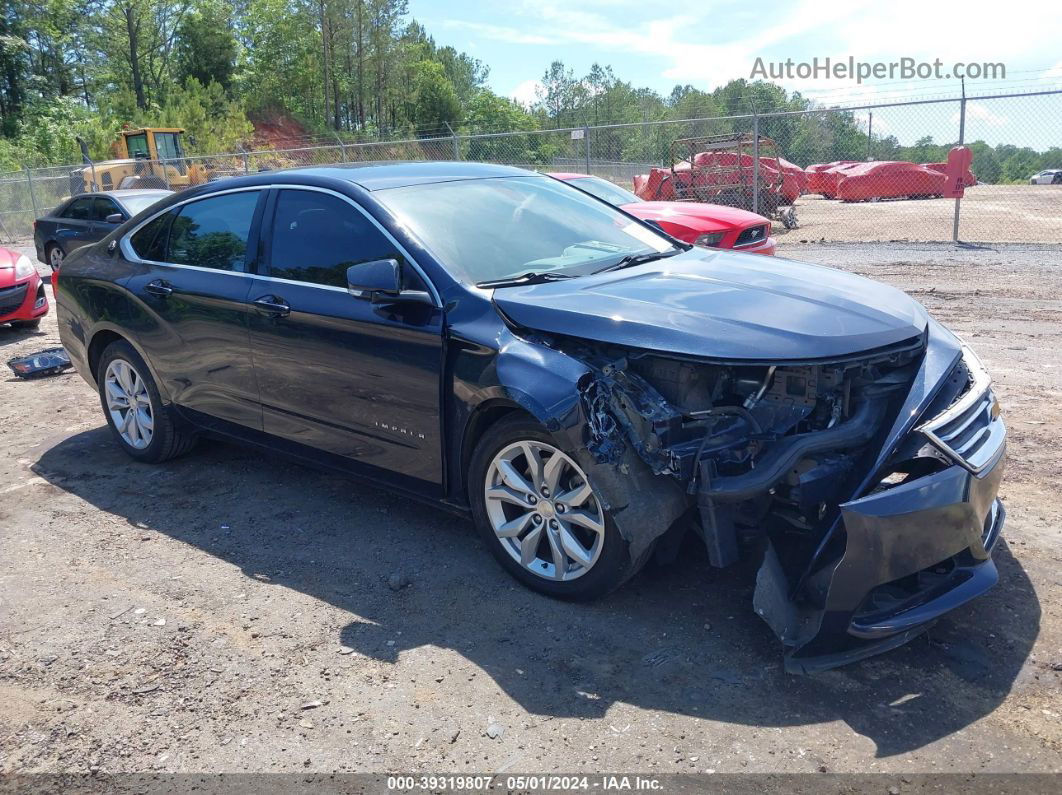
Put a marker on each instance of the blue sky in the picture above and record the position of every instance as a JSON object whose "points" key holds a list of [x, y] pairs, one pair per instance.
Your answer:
{"points": [[707, 43]]}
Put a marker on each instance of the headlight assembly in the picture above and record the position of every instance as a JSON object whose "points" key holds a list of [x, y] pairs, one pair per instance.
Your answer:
{"points": [[711, 240], [24, 268]]}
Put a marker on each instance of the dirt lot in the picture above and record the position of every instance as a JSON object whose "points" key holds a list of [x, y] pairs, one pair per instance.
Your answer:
{"points": [[227, 612], [1003, 213]]}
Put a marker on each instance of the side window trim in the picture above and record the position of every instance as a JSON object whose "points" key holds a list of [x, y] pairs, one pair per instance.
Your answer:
{"points": [[267, 235], [265, 231], [130, 254]]}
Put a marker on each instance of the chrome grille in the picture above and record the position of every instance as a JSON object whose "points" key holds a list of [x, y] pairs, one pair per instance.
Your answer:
{"points": [[969, 431]]}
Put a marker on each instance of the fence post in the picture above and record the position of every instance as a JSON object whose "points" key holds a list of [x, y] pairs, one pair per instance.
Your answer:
{"points": [[342, 146], [755, 163], [453, 137], [586, 135], [870, 134], [962, 138], [246, 166], [33, 196]]}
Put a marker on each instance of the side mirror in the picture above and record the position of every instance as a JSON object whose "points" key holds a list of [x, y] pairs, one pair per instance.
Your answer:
{"points": [[375, 276], [115, 218], [381, 281]]}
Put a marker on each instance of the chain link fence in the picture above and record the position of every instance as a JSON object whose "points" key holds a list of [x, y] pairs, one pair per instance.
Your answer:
{"points": [[877, 173]]}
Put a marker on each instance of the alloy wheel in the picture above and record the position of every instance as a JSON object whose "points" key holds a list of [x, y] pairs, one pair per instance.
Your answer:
{"points": [[55, 258], [129, 404], [544, 511]]}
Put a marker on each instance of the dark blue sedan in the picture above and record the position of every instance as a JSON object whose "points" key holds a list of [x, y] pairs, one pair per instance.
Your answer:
{"points": [[586, 389], [86, 218]]}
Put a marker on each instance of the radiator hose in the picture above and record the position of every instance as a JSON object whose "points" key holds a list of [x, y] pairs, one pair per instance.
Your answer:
{"points": [[857, 430]]}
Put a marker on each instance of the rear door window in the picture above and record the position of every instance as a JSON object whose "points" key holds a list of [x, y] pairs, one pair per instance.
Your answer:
{"points": [[213, 232], [79, 210], [317, 236]]}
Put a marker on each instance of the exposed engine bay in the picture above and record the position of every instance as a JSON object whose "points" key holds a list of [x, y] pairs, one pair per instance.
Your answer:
{"points": [[867, 524], [755, 445]]}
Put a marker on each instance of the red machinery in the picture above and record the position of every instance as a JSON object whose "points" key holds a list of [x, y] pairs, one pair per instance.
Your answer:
{"points": [[721, 169]]}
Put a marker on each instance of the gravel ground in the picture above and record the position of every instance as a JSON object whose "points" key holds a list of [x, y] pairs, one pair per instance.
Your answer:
{"points": [[229, 612], [1005, 213]]}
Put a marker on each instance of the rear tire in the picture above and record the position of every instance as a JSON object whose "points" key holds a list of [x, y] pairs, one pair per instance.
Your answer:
{"points": [[54, 255], [143, 426], [570, 521]]}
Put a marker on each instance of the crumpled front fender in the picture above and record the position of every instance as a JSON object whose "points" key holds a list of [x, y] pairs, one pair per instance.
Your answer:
{"points": [[549, 385]]}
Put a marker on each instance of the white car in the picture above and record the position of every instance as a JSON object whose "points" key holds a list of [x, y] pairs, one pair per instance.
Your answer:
{"points": [[1049, 176]]}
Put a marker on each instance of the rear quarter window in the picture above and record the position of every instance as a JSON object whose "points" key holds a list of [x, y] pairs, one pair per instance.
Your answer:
{"points": [[78, 210], [149, 241]]}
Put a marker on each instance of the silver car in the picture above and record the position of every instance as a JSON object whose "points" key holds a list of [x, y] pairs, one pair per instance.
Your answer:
{"points": [[1049, 176]]}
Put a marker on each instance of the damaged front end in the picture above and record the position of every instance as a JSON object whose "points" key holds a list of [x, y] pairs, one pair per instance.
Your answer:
{"points": [[867, 482]]}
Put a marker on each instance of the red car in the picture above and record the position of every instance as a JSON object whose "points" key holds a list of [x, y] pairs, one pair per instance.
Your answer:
{"points": [[823, 177], [709, 225], [889, 179], [22, 299], [968, 177]]}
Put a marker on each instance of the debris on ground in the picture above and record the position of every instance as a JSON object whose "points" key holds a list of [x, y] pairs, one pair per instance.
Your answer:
{"points": [[50, 361]]}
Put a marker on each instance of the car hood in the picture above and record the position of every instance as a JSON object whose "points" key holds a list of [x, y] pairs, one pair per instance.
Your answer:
{"points": [[697, 216], [722, 305]]}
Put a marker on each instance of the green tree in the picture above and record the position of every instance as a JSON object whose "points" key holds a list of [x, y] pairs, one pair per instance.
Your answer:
{"points": [[434, 101], [206, 47]]}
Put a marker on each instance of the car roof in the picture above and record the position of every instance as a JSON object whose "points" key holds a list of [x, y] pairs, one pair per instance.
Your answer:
{"points": [[122, 193], [125, 193], [567, 176], [383, 175]]}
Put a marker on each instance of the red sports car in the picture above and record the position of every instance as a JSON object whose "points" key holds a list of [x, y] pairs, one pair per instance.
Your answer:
{"points": [[889, 179], [709, 225], [22, 299]]}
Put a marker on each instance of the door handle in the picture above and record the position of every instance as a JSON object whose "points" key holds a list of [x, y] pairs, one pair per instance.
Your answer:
{"points": [[271, 305], [159, 287]]}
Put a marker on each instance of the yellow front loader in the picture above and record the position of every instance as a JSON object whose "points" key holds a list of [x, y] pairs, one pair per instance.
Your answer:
{"points": [[148, 157]]}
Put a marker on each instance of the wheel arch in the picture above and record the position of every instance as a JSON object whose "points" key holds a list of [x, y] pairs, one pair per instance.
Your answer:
{"points": [[486, 415], [98, 343]]}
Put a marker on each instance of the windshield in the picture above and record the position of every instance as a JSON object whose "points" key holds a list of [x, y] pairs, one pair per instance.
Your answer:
{"points": [[492, 229], [135, 204], [605, 190], [137, 145]]}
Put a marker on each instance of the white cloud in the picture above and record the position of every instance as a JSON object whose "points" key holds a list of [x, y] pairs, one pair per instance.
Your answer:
{"points": [[691, 43], [975, 111], [503, 33], [526, 93]]}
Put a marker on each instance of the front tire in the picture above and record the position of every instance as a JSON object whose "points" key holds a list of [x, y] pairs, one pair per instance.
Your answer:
{"points": [[143, 426], [541, 517], [28, 325]]}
